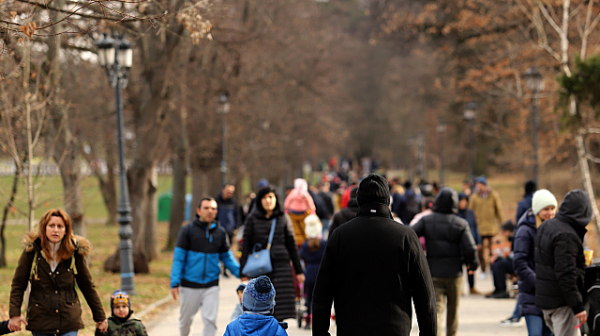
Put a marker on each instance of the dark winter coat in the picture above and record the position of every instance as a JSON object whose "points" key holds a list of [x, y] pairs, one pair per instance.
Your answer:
{"points": [[524, 263], [228, 214], [131, 327], [524, 205], [468, 215], [328, 203], [4, 327], [312, 260], [448, 240], [559, 260], [283, 248], [344, 215], [372, 268], [54, 305]]}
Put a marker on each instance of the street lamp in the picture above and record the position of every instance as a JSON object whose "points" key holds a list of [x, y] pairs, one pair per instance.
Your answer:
{"points": [[222, 109], [469, 113], [116, 57], [441, 128], [535, 82]]}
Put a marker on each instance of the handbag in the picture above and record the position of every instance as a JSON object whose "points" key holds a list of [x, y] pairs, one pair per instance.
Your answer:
{"points": [[259, 263]]}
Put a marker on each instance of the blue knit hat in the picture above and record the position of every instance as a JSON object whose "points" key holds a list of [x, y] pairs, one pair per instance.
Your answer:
{"points": [[259, 296], [119, 297], [481, 179]]}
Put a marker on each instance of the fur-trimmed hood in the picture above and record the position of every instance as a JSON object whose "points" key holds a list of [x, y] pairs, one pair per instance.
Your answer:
{"points": [[82, 245]]}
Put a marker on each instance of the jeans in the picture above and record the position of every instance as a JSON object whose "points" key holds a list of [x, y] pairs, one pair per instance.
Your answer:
{"points": [[517, 312], [70, 333], [536, 326]]}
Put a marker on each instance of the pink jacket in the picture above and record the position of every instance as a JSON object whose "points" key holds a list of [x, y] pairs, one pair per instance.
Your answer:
{"points": [[299, 199]]}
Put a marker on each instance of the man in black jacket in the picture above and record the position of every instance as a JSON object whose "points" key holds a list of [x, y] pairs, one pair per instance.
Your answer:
{"points": [[559, 264], [449, 242], [372, 268]]}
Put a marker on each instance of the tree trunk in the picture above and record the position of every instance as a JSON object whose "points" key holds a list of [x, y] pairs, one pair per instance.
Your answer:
{"points": [[151, 222], [137, 179], [178, 202], [7, 207], [71, 178], [199, 188]]}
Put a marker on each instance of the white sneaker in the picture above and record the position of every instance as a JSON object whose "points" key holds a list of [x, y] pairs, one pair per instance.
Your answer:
{"points": [[482, 276], [510, 323]]}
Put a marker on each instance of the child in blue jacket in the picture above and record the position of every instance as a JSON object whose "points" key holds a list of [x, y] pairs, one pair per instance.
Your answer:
{"points": [[258, 303]]}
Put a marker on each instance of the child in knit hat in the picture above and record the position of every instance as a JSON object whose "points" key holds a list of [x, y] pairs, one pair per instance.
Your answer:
{"points": [[312, 252], [258, 303], [120, 322]]}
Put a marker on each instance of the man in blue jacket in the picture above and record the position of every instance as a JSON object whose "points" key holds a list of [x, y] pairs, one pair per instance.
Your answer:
{"points": [[201, 245]]}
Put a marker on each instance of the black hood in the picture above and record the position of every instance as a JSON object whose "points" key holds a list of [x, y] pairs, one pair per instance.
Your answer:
{"points": [[576, 209], [446, 201]]}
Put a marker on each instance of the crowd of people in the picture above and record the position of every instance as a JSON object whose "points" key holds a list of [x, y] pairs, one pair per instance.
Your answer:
{"points": [[373, 249], [312, 244]]}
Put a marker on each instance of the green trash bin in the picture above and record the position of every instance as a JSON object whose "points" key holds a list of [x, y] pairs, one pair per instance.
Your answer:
{"points": [[164, 206]]}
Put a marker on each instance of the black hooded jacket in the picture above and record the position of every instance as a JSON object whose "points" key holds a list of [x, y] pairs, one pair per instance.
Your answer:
{"points": [[372, 269], [447, 237], [559, 260]]}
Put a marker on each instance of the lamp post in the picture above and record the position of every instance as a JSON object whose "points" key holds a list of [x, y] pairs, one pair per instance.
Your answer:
{"points": [[469, 114], [535, 82], [441, 128], [222, 109], [116, 57]]}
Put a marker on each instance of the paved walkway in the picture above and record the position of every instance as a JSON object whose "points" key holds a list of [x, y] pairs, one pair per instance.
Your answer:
{"points": [[478, 316]]}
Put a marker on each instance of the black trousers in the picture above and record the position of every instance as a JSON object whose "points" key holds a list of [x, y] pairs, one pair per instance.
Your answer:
{"points": [[500, 268]]}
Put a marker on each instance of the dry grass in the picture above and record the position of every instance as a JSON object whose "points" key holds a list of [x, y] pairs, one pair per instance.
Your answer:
{"points": [[150, 287]]}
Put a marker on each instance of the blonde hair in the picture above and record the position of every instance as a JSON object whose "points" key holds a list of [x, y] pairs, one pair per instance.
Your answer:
{"points": [[66, 248]]}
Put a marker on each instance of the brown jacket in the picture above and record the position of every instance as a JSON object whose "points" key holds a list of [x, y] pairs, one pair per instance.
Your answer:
{"points": [[488, 212], [54, 305]]}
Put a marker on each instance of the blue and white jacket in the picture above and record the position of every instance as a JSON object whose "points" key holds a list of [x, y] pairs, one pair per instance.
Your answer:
{"points": [[198, 253]]}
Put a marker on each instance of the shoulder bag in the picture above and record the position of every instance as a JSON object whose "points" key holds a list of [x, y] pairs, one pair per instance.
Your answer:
{"points": [[259, 263]]}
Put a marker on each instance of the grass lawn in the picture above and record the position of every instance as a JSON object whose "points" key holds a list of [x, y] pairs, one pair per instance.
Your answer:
{"points": [[49, 194], [150, 287]]}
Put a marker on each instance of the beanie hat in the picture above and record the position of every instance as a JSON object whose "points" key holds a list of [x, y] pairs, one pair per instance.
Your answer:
{"points": [[530, 187], [373, 189], [313, 227], [262, 183], [462, 196], [541, 199], [119, 297], [481, 179], [259, 295], [241, 287]]}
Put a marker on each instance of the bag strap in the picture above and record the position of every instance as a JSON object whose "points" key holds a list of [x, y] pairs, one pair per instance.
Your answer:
{"points": [[272, 233]]}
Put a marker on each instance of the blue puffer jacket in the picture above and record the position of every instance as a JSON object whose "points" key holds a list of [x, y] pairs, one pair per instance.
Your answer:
{"points": [[198, 253], [524, 263], [255, 325]]}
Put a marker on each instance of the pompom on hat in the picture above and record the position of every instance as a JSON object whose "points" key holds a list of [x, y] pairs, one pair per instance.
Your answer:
{"points": [[313, 227], [259, 296], [541, 199]]}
